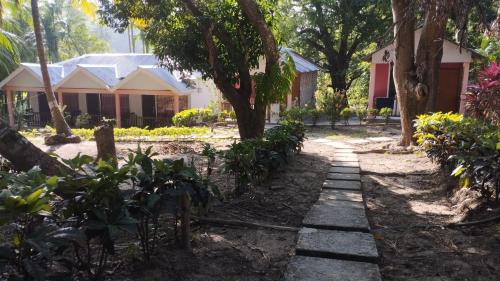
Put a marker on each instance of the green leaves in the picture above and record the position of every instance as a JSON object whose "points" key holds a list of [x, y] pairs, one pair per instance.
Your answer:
{"points": [[466, 145]]}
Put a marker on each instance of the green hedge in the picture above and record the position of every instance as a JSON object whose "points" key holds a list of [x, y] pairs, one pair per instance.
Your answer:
{"points": [[468, 146], [88, 134], [192, 117], [253, 160]]}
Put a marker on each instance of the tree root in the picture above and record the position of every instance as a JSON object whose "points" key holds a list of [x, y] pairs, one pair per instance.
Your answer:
{"points": [[223, 222]]}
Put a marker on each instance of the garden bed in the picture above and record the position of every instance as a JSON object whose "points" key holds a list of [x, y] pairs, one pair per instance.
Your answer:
{"points": [[240, 253], [405, 190]]}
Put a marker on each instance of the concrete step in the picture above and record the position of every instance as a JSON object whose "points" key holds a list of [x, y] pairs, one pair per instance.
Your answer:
{"points": [[345, 245], [345, 170], [336, 217], [302, 268], [340, 195], [342, 176], [338, 163], [342, 184]]}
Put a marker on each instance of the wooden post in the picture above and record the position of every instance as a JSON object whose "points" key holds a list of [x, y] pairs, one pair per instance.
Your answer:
{"points": [[10, 107], [60, 100], [118, 111], [463, 90], [105, 141], [176, 104]]}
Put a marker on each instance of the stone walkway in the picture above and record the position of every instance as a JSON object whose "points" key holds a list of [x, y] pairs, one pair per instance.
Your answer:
{"points": [[335, 242]]}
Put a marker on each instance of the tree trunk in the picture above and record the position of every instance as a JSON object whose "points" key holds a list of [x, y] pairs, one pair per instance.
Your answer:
{"points": [[24, 155], [57, 117], [105, 141], [251, 122], [417, 80]]}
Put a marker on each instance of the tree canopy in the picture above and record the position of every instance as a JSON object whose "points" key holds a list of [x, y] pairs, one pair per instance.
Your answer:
{"points": [[336, 34], [224, 40]]}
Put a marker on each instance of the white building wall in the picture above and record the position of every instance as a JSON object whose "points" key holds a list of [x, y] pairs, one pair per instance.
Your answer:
{"points": [[204, 94]]}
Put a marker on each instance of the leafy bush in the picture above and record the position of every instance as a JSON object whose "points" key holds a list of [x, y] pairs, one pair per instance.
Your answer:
{"points": [[483, 99], [372, 112], [331, 103], [192, 117], [121, 133], [66, 226], [223, 115], [315, 115], [361, 113], [345, 114], [295, 113], [253, 160], [84, 121], [468, 146], [386, 113]]}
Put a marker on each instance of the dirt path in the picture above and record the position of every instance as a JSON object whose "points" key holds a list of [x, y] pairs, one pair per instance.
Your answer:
{"points": [[407, 189]]}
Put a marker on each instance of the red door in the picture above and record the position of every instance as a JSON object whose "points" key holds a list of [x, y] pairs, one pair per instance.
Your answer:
{"points": [[448, 95]]}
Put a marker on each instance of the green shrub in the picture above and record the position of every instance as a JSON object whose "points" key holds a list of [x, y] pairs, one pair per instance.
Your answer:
{"points": [[345, 114], [372, 112], [361, 113], [192, 117], [83, 120], [468, 146], [386, 113], [331, 103], [223, 115], [253, 160], [295, 114], [123, 133]]}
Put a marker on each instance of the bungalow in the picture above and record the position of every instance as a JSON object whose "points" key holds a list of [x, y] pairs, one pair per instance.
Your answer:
{"points": [[131, 88], [453, 77], [127, 87]]}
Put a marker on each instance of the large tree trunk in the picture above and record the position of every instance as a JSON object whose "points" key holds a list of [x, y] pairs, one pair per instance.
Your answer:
{"points": [[416, 80], [24, 155], [250, 120], [57, 117]]}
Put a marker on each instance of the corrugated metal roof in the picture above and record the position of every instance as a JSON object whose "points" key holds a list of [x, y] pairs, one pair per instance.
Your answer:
{"points": [[301, 64]]}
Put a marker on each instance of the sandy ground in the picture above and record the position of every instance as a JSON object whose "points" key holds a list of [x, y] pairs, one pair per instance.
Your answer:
{"points": [[401, 191], [404, 190]]}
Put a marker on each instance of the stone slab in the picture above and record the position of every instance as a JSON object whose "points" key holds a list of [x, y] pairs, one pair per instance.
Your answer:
{"points": [[325, 216], [345, 170], [342, 184], [340, 195], [302, 268], [337, 144], [345, 158], [342, 176], [338, 163], [347, 245], [341, 203]]}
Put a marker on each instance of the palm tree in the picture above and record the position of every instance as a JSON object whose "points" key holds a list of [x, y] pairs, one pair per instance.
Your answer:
{"points": [[62, 128]]}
